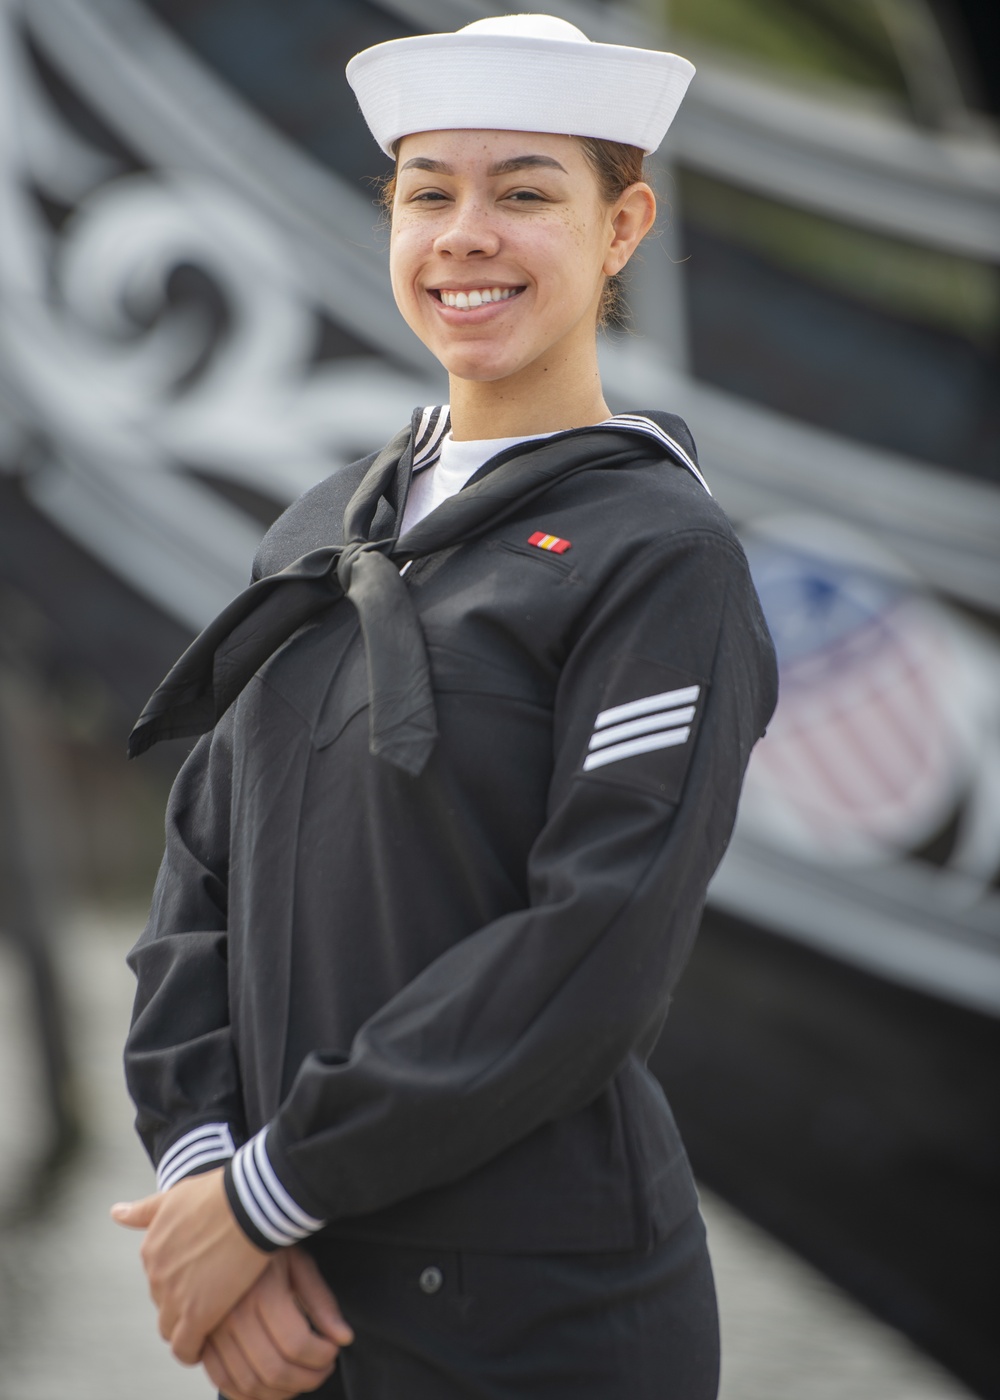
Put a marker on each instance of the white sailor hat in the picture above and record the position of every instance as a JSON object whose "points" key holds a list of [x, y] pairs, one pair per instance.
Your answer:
{"points": [[518, 73]]}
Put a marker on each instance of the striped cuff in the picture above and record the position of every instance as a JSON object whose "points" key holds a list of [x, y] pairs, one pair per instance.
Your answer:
{"points": [[265, 1210], [209, 1145]]}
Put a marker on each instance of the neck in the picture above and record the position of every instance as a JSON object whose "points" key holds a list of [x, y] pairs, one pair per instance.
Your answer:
{"points": [[546, 398]]}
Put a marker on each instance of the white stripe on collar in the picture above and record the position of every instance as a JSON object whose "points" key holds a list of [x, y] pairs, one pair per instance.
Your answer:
{"points": [[638, 423], [435, 423]]}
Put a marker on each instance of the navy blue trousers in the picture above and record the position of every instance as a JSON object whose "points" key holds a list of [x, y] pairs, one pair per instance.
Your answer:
{"points": [[445, 1325]]}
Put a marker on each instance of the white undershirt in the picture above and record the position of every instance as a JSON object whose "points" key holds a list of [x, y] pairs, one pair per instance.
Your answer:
{"points": [[458, 462]]}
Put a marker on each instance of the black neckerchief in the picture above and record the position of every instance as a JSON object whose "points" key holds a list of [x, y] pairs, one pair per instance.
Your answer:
{"points": [[217, 665]]}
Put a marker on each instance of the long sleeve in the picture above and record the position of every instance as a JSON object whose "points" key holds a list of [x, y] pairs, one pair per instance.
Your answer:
{"points": [[668, 684], [179, 1061]]}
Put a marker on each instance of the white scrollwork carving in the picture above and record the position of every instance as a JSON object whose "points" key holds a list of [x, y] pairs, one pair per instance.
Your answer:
{"points": [[130, 388]]}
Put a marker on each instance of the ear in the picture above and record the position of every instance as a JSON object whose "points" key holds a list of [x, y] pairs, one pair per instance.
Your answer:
{"points": [[632, 216]]}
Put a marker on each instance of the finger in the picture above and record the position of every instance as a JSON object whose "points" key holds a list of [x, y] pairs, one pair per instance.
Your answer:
{"points": [[318, 1303], [242, 1378], [221, 1379], [261, 1374], [217, 1372], [279, 1358], [187, 1341], [136, 1215], [278, 1317]]}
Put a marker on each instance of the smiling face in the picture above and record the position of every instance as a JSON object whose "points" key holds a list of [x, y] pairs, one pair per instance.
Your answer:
{"points": [[501, 244]]}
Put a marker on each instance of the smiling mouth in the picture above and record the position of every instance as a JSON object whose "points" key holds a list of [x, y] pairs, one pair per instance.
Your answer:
{"points": [[469, 298]]}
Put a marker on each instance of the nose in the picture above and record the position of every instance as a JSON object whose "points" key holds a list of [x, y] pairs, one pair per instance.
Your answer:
{"points": [[470, 233]]}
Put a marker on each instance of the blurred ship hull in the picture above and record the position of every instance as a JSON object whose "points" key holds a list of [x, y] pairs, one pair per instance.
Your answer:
{"points": [[854, 1118]]}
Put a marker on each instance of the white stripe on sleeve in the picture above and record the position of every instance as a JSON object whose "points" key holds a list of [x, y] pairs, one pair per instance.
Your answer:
{"points": [[276, 1215], [665, 701], [669, 719], [211, 1142], [665, 740]]}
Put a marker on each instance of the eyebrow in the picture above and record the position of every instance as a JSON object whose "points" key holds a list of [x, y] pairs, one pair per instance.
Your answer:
{"points": [[502, 167]]}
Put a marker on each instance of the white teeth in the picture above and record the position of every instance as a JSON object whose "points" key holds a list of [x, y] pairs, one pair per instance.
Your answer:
{"points": [[480, 296]]}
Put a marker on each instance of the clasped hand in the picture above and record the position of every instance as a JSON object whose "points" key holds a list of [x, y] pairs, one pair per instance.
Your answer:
{"points": [[265, 1326]]}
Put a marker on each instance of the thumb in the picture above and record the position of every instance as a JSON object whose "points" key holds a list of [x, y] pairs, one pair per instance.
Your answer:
{"points": [[137, 1215], [318, 1303]]}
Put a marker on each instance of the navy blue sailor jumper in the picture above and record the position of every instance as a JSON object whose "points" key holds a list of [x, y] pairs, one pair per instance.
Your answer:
{"points": [[417, 1006]]}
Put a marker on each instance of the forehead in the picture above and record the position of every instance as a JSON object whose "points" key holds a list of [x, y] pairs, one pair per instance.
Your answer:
{"points": [[475, 150]]}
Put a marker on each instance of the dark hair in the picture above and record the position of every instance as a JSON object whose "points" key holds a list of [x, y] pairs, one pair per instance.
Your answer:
{"points": [[616, 166]]}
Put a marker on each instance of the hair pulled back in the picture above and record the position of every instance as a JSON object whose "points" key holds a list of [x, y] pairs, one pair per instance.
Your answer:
{"points": [[616, 166]]}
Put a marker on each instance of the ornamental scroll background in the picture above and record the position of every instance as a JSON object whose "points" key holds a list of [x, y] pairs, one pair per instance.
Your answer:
{"points": [[164, 386]]}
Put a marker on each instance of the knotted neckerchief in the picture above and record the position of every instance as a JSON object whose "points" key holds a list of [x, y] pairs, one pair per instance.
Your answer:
{"points": [[217, 665]]}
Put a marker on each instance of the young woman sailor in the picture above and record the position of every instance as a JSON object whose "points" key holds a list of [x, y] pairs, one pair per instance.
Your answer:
{"points": [[473, 743]]}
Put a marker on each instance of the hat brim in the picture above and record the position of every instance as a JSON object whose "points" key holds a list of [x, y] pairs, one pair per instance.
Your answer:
{"points": [[445, 82]]}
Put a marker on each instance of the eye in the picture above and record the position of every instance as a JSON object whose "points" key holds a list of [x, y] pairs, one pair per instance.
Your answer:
{"points": [[526, 196], [428, 197]]}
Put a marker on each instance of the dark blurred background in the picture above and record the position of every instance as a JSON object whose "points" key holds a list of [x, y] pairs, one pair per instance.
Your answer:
{"points": [[195, 325]]}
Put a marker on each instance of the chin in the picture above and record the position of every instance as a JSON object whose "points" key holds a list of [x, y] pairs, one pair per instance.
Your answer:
{"points": [[478, 369]]}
